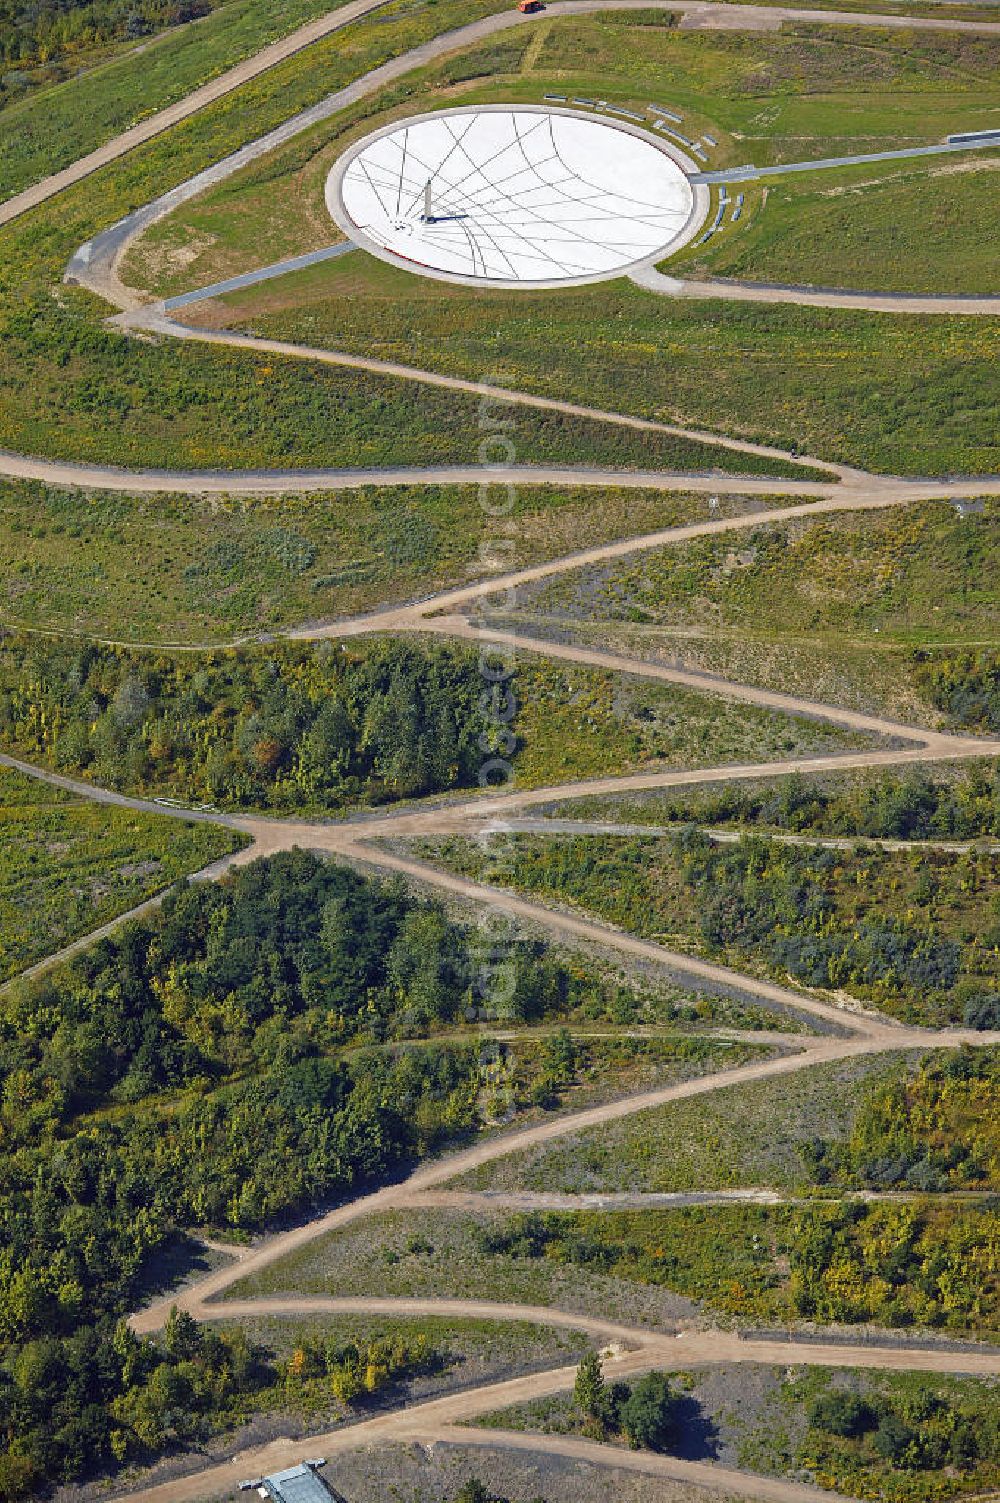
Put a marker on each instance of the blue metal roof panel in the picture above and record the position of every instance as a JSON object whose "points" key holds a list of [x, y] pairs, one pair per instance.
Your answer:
{"points": [[299, 1484]]}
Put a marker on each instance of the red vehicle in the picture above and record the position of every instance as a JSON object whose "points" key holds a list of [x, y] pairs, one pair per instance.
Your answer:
{"points": [[528, 7]]}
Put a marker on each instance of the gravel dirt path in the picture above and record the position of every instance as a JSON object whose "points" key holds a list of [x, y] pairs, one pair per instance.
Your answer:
{"points": [[440, 1420], [858, 1033], [191, 104]]}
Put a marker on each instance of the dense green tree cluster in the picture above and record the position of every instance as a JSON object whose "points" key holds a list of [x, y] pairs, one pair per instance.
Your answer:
{"points": [[355, 1369], [191, 1072], [919, 1430], [840, 1412], [919, 1263], [590, 1391], [104, 1396], [789, 905], [281, 726], [43, 31], [891, 807], [935, 1129], [288, 956], [645, 1414], [80, 1217], [965, 685]]}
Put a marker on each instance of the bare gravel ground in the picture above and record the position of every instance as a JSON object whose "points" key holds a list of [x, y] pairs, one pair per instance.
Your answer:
{"points": [[433, 1474]]}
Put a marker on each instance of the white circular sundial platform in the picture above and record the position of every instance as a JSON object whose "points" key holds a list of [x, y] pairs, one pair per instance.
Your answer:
{"points": [[520, 195]]}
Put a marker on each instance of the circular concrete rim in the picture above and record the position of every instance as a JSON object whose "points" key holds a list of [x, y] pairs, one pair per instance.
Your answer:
{"points": [[700, 199]]}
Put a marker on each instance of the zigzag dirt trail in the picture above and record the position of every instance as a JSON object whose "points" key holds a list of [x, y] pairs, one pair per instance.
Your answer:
{"points": [[848, 1033]]}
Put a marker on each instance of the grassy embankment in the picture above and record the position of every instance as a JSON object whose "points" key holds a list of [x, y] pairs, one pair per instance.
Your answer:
{"points": [[189, 569], [76, 388], [914, 934], [798, 377], [58, 109], [67, 866], [852, 609], [804, 93]]}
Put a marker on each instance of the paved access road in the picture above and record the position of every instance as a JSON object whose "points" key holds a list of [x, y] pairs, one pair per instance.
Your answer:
{"points": [[191, 104], [969, 304], [848, 1032], [695, 14], [96, 264]]}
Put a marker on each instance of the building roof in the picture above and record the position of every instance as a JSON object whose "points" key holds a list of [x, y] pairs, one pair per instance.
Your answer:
{"points": [[299, 1484]]}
